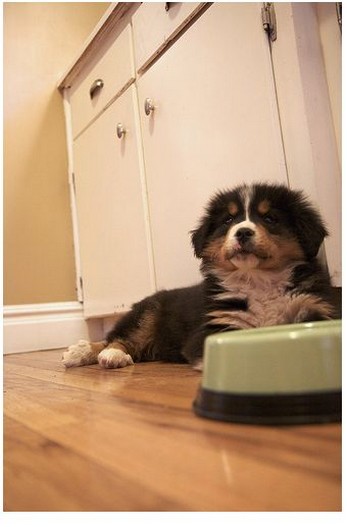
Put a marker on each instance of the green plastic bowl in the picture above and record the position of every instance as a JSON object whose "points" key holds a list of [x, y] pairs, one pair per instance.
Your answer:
{"points": [[274, 375]]}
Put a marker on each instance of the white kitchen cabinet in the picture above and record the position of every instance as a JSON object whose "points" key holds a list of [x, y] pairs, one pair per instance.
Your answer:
{"points": [[224, 107], [113, 231], [214, 125], [114, 71]]}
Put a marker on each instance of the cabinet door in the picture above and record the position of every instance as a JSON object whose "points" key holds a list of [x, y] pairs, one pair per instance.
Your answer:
{"points": [[307, 67], [215, 124], [113, 232]]}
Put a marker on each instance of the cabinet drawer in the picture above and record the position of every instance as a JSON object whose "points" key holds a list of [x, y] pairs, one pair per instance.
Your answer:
{"points": [[115, 70], [156, 23]]}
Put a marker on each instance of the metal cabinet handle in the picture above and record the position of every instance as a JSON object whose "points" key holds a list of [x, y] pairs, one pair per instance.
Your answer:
{"points": [[96, 87], [120, 130], [149, 106]]}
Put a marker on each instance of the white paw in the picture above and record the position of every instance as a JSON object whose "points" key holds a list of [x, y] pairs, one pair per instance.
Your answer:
{"points": [[114, 358], [77, 355]]}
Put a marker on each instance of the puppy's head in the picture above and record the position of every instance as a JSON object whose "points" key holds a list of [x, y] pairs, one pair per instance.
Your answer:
{"points": [[259, 226]]}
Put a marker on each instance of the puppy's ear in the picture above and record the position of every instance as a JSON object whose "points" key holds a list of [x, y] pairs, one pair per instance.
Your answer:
{"points": [[310, 228], [199, 237], [215, 208]]}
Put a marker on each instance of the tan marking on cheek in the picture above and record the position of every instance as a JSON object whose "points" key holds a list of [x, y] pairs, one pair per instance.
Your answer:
{"points": [[290, 249], [233, 208], [280, 249], [264, 206], [213, 249], [263, 241], [216, 252]]}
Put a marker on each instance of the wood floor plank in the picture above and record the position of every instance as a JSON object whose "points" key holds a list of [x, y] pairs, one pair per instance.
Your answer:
{"points": [[43, 475], [136, 429]]}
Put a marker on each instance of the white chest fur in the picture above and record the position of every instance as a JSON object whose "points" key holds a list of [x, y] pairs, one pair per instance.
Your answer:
{"points": [[265, 293]]}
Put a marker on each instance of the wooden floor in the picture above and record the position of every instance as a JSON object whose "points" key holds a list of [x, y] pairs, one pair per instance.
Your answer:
{"points": [[127, 440]]}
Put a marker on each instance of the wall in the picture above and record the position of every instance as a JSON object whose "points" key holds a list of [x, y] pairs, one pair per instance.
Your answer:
{"points": [[40, 41]]}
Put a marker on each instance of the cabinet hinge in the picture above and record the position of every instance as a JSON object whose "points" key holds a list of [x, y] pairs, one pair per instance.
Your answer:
{"points": [[268, 17]]}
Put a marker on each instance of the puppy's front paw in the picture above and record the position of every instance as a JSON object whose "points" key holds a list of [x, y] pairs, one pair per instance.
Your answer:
{"points": [[77, 355], [114, 358]]}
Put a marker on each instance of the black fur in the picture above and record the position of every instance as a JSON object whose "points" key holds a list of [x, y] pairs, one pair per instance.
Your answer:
{"points": [[172, 325], [177, 313]]}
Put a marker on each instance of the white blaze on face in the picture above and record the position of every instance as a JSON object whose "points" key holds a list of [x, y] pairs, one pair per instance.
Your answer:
{"points": [[240, 259]]}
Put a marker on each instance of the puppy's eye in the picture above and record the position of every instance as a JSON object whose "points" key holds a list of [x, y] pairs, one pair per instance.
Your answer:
{"points": [[270, 219], [229, 220]]}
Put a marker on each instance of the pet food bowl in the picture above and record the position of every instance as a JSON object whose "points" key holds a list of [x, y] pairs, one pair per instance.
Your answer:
{"points": [[276, 375]]}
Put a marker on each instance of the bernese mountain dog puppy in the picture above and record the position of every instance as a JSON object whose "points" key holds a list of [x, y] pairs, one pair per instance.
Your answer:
{"points": [[258, 246]]}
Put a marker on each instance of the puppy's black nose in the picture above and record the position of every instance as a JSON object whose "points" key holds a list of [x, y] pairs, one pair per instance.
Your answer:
{"points": [[244, 234]]}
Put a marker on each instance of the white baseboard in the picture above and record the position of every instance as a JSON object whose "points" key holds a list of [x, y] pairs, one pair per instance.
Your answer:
{"points": [[35, 327]]}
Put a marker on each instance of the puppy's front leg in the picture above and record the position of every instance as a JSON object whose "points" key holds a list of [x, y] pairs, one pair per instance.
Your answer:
{"points": [[307, 308], [83, 353]]}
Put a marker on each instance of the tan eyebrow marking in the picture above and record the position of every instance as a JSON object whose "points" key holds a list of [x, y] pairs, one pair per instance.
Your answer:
{"points": [[264, 206], [233, 208]]}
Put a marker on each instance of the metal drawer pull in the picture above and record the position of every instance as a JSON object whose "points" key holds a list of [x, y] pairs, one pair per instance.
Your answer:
{"points": [[120, 130], [149, 106], [96, 87]]}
